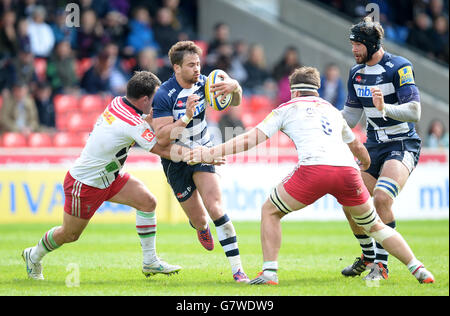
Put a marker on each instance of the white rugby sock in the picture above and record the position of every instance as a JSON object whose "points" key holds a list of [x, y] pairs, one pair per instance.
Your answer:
{"points": [[146, 229], [228, 241]]}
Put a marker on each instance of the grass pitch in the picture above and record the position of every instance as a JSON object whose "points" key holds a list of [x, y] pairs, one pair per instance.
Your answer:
{"points": [[107, 259]]}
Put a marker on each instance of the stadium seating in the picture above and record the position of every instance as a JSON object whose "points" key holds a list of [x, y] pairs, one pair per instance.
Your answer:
{"points": [[65, 103], [78, 122], [40, 67], [81, 66], [12, 140], [260, 103], [63, 139], [204, 46], [40, 140], [92, 103]]}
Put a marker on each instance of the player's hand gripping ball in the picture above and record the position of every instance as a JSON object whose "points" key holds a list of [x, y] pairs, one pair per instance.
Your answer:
{"points": [[217, 102]]}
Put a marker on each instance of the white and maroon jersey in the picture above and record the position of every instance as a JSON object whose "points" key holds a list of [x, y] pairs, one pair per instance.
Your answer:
{"points": [[317, 129], [106, 150]]}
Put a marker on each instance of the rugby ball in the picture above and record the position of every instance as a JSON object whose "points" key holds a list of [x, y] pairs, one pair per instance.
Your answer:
{"points": [[215, 77]]}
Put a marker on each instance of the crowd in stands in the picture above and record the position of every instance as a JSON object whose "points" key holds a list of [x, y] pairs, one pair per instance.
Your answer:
{"points": [[56, 79], [421, 24]]}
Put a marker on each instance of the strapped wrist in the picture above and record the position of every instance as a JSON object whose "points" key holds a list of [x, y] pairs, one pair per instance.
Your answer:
{"points": [[186, 120]]}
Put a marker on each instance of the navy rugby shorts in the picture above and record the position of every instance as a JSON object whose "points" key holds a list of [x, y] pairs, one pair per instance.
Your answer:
{"points": [[179, 176], [406, 151]]}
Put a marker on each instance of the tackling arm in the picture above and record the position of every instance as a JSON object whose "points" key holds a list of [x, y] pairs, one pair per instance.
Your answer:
{"points": [[352, 115], [360, 152], [235, 145], [406, 112], [239, 143]]}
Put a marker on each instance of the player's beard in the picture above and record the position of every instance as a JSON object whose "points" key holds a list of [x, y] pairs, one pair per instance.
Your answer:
{"points": [[361, 59]]}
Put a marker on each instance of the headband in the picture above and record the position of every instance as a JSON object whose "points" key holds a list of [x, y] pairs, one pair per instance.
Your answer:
{"points": [[304, 87]]}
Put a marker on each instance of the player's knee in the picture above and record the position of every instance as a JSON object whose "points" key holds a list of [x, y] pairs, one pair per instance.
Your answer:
{"points": [[367, 220], [382, 201], [148, 204], [214, 207], [269, 209]]}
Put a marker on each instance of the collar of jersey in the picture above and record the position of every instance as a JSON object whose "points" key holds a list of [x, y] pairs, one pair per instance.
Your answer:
{"points": [[124, 99]]}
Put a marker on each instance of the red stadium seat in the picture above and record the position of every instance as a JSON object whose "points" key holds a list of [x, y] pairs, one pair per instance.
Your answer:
{"points": [[63, 139], [40, 66], [92, 103], [260, 102], [204, 47], [1, 101], [13, 140], [65, 103], [82, 66], [40, 140], [78, 122]]}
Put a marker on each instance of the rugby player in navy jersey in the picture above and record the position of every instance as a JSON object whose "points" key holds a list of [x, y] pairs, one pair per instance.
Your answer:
{"points": [[195, 187], [382, 87]]}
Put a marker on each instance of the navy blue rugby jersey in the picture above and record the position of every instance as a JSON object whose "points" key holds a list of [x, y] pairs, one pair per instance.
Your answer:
{"points": [[394, 75], [170, 100]]}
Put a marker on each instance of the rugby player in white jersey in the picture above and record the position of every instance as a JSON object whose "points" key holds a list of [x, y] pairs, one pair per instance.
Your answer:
{"points": [[381, 86], [195, 187], [96, 177], [325, 145]]}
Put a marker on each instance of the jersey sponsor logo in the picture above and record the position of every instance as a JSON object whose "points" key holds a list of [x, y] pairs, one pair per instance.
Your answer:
{"points": [[108, 117], [268, 117], [180, 104], [148, 135], [406, 75], [363, 92]]}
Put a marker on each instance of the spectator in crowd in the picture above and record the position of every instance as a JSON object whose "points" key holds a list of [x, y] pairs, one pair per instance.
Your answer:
{"points": [[238, 59], [219, 59], [221, 36], [394, 32], [115, 28], [420, 35], [23, 68], [332, 87], [230, 123], [61, 69], [44, 106], [165, 33], [97, 78], [118, 75], [182, 20], [8, 35], [99, 7], [437, 136], [258, 78], [141, 34], [61, 31], [88, 38], [436, 9], [439, 37], [41, 35], [283, 69], [18, 112], [147, 60]]}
